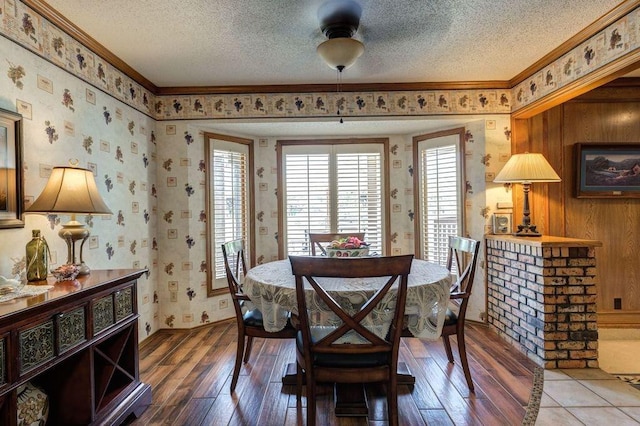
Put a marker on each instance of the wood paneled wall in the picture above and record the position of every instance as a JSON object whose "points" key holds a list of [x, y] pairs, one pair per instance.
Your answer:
{"points": [[607, 114]]}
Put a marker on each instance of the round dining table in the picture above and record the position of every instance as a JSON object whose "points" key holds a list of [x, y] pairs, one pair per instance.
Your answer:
{"points": [[271, 288]]}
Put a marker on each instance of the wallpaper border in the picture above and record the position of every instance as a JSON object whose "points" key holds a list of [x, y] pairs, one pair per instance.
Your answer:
{"points": [[33, 31]]}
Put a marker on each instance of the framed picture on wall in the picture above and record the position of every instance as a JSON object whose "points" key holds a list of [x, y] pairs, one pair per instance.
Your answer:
{"points": [[607, 170], [11, 195]]}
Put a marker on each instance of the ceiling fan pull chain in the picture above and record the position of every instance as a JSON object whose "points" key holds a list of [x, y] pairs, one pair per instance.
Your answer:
{"points": [[339, 88]]}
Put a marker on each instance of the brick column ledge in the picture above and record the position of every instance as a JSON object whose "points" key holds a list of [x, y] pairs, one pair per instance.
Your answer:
{"points": [[541, 295]]}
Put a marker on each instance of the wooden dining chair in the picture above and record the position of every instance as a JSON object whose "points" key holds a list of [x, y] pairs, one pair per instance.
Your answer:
{"points": [[316, 240], [463, 256], [323, 353], [250, 323]]}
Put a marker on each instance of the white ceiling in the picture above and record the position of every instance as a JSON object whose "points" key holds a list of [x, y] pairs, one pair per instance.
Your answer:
{"points": [[259, 42], [263, 42], [331, 127]]}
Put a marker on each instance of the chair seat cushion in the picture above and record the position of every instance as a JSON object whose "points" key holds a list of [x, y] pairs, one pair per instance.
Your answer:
{"points": [[345, 360], [450, 317], [253, 318]]}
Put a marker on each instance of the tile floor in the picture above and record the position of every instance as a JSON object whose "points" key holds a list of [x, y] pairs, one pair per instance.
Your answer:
{"points": [[595, 396]]}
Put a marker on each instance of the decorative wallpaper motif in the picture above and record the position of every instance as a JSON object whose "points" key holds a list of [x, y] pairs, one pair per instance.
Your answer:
{"points": [[149, 166], [286, 105], [180, 232], [23, 25], [63, 120], [615, 41]]}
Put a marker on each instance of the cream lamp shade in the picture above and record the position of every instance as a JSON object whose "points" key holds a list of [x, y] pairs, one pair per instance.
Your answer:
{"points": [[71, 190], [525, 169], [340, 52]]}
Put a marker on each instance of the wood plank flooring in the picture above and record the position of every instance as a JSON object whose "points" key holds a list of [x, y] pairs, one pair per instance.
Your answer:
{"points": [[190, 371]]}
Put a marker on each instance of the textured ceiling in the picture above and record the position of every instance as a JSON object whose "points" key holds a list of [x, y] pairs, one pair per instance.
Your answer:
{"points": [[259, 42]]}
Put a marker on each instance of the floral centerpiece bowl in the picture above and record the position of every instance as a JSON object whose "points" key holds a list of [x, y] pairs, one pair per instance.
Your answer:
{"points": [[65, 272], [348, 247]]}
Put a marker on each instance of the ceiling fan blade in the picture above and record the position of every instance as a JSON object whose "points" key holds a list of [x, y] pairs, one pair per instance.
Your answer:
{"points": [[339, 18]]}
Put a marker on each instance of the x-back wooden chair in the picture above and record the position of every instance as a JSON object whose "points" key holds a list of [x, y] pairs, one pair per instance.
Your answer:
{"points": [[463, 256], [327, 358], [250, 323]]}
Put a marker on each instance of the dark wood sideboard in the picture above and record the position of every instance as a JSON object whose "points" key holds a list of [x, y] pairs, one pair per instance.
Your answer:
{"points": [[79, 343]]}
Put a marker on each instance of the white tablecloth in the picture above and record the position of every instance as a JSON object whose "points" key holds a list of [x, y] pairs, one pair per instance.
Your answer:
{"points": [[271, 287]]}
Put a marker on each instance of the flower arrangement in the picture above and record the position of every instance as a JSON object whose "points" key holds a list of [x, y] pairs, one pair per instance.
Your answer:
{"points": [[348, 243], [348, 247]]}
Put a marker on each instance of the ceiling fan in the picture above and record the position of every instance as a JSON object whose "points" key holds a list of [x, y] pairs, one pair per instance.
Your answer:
{"points": [[339, 21]]}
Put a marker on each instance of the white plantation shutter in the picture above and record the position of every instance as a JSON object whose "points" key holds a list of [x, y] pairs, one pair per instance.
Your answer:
{"points": [[440, 197], [359, 202], [332, 188], [307, 199], [229, 199]]}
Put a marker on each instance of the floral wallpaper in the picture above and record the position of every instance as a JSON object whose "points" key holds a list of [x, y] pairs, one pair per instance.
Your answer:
{"points": [[65, 119], [181, 202], [147, 155]]}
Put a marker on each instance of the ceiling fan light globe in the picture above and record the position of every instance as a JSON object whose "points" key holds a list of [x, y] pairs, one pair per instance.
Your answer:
{"points": [[340, 52]]}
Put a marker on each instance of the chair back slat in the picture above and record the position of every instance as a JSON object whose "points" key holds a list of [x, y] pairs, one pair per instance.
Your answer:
{"points": [[308, 269], [316, 240], [235, 267], [464, 251]]}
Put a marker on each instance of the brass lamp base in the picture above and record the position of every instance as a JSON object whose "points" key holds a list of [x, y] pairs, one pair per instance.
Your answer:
{"points": [[71, 232]]}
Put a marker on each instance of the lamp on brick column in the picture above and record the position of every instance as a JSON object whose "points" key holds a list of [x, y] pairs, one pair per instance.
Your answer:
{"points": [[71, 190], [525, 169]]}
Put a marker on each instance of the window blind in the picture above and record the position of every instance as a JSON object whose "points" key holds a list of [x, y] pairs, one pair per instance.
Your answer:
{"points": [[440, 200], [307, 199], [332, 189], [229, 198], [359, 201]]}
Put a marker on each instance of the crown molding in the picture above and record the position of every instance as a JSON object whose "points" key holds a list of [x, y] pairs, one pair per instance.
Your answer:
{"points": [[56, 18], [328, 88], [74, 31], [597, 78], [609, 18]]}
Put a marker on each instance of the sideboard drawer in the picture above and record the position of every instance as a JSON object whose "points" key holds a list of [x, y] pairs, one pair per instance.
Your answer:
{"points": [[71, 329], [102, 314], [35, 346], [124, 303]]}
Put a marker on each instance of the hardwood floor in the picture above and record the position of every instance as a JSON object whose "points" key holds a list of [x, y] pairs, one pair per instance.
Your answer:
{"points": [[190, 370]]}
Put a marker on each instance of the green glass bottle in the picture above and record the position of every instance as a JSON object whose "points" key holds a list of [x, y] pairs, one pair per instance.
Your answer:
{"points": [[37, 257]]}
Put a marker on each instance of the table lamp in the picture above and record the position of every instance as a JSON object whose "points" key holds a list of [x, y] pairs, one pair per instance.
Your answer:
{"points": [[71, 190], [525, 169]]}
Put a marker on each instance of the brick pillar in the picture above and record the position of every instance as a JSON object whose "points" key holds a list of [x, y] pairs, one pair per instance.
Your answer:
{"points": [[542, 298]]}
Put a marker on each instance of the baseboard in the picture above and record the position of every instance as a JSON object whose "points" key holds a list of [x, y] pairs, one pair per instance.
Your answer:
{"points": [[619, 319]]}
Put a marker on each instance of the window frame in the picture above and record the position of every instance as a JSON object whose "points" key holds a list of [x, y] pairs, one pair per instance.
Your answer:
{"points": [[460, 131], [249, 245], [386, 184]]}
